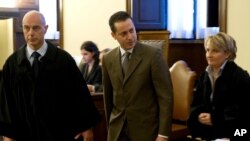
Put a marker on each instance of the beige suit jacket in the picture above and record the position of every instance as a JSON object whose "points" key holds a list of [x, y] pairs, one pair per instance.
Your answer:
{"points": [[144, 97]]}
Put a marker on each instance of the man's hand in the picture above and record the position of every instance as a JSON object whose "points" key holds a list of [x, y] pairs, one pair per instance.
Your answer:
{"points": [[205, 118], [87, 135], [91, 88], [7, 139], [161, 139]]}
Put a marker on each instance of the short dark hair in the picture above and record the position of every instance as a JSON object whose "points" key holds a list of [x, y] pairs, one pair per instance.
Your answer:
{"points": [[117, 17], [91, 47]]}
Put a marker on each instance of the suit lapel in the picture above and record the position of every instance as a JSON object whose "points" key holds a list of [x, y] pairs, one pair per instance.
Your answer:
{"points": [[92, 72], [117, 64], [133, 63], [85, 71]]}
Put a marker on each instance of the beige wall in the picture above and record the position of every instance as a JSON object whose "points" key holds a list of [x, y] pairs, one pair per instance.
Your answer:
{"points": [[88, 20], [238, 25], [6, 40]]}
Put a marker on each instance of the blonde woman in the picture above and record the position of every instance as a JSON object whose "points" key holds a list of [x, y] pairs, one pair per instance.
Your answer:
{"points": [[219, 106]]}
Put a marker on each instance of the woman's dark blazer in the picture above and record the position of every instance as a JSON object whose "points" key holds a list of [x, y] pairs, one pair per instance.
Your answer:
{"points": [[229, 105], [94, 77]]}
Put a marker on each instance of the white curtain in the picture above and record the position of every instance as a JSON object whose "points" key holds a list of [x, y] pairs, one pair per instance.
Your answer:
{"points": [[181, 19], [48, 9], [201, 16]]}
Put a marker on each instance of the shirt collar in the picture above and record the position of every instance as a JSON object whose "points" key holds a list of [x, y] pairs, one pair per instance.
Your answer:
{"points": [[124, 51], [209, 68], [42, 50]]}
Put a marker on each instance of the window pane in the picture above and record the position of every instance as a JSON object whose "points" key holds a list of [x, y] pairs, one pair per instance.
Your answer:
{"points": [[49, 10], [201, 18], [180, 18]]}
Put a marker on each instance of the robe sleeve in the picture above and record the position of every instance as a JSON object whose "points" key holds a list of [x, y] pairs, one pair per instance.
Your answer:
{"points": [[6, 127]]}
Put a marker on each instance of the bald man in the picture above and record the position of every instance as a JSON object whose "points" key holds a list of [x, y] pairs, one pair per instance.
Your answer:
{"points": [[53, 105]]}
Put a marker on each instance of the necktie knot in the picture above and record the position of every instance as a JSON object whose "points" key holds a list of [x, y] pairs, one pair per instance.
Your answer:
{"points": [[36, 55], [125, 62], [127, 54]]}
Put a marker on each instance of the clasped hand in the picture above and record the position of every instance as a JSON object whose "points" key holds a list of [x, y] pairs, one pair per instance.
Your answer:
{"points": [[87, 135], [205, 118]]}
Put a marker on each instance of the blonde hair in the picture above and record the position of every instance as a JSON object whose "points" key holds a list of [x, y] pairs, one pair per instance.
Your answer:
{"points": [[225, 42]]}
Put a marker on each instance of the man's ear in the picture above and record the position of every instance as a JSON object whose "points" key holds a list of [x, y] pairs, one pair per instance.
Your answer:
{"points": [[113, 35], [46, 28]]}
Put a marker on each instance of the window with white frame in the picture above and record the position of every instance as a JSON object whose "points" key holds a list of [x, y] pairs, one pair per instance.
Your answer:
{"points": [[187, 19], [49, 9]]}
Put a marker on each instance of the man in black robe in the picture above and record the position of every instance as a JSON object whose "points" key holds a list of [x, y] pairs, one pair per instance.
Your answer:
{"points": [[54, 105]]}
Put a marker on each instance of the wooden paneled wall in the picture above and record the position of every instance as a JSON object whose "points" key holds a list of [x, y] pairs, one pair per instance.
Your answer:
{"points": [[191, 51]]}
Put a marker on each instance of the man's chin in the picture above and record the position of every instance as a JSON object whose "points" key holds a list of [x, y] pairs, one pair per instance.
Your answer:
{"points": [[33, 45], [130, 46]]}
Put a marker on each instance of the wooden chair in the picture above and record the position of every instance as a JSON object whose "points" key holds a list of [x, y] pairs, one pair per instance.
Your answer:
{"points": [[158, 38], [155, 43], [183, 80]]}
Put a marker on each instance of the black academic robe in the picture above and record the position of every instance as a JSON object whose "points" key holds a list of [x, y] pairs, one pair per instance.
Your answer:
{"points": [[55, 106]]}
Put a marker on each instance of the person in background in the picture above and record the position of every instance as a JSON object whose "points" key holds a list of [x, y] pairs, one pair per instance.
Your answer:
{"points": [[220, 102], [91, 70], [55, 104], [103, 52], [139, 100], [1, 74]]}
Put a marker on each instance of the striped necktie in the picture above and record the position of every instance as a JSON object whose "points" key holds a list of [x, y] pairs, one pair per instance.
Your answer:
{"points": [[125, 63]]}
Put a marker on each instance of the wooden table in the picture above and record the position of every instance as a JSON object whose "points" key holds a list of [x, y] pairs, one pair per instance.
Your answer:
{"points": [[100, 131]]}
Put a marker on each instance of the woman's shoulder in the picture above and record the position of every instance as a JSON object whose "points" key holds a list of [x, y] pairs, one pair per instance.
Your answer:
{"points": [[98, 67], [231, 65]]}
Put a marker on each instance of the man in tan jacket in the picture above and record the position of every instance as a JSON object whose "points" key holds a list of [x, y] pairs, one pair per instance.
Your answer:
{"points": [[139, 101]]}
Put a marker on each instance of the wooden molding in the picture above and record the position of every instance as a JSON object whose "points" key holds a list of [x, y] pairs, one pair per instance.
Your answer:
{"points": [[60, 8], [223, 15]]}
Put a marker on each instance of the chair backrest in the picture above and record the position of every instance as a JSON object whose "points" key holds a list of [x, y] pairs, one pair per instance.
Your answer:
{"points": [[155, 43], [183, 80], [155, 36], [158, 44]]}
